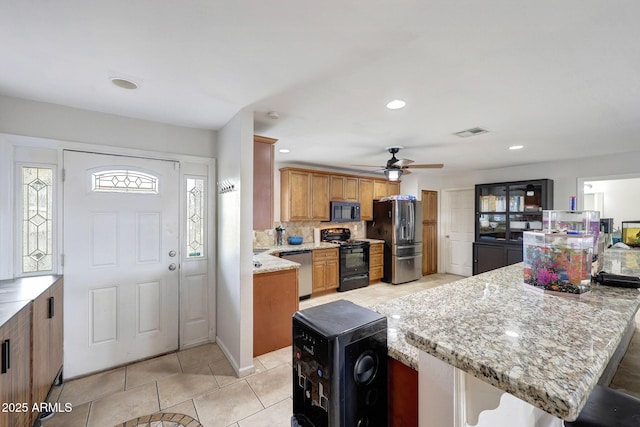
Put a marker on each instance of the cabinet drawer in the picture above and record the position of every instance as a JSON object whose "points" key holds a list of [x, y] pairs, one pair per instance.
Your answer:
{"points": [[376, 272], [375, 249], [376, 259], [324, 254]]}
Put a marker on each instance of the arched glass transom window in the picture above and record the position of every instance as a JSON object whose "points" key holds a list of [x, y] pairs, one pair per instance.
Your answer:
{"points": [[124, 181]]}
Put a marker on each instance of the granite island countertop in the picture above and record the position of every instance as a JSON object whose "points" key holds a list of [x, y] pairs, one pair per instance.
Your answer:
{"points": [[547, 350]]}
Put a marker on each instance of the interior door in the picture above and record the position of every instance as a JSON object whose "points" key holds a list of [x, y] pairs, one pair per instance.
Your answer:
{"points": [[459, 232], [121, 260]]}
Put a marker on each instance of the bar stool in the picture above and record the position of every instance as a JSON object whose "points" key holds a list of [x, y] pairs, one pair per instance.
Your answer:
{"points": [[607, 407]]}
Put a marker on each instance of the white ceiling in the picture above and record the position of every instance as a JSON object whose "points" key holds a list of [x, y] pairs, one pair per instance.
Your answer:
{"points": [[561, 78]]}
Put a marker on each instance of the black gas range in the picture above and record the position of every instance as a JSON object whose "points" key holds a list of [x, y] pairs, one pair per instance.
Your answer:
{"points": [[354, 258]]}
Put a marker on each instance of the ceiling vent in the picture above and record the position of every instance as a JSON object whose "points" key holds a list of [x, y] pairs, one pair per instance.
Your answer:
{"points": [[471, 132]]}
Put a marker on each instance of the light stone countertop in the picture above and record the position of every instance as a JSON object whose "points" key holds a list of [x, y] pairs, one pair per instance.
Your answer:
{"points": [[271, 262], [547, 350]]}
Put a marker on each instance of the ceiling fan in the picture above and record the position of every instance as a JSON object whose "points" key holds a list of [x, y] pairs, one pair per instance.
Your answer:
{"points": [[395, 167]]}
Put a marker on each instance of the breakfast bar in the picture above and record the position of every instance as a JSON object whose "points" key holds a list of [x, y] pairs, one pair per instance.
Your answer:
{"points": [[490, 351]]}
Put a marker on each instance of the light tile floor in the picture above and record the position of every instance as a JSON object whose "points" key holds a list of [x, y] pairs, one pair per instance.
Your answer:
{"points": [[201, 383]]}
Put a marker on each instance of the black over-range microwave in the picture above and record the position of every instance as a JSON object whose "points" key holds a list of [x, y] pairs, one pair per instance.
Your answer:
{"points": [[345, 211]]}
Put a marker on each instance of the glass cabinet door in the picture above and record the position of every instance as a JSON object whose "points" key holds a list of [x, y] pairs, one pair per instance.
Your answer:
{"points": [[525, 209], [492, 218]]}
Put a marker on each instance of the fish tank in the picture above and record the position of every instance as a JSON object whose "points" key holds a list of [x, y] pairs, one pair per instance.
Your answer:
{"points": [[572, 221], [631, 233], [558, 263]]}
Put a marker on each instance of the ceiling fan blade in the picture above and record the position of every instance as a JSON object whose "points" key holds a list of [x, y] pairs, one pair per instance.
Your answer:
{"points": [[369, 166], [403, 162], [431, 166]]}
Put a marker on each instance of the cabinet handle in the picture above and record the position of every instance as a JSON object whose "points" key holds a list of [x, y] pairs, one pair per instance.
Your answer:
{"points": [[51, 306], [6, 351]]}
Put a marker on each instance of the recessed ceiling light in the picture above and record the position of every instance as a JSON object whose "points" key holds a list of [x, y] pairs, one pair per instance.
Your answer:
{"points": [[516, 147], [284, 150], [124, 83], [396, 104]]}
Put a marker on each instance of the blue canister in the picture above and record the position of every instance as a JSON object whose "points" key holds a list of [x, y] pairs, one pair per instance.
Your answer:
{"points": [[572, 203]]}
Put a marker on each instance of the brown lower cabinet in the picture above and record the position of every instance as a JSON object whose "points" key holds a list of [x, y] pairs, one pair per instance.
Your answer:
{"points": [[402, 394], [47, 340], [275, 299], [326, 270], [376, 262], [32, 344], [15, 379]]}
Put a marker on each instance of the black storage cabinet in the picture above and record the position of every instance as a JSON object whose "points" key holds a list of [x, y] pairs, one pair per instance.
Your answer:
{"points": [[503, 212]]}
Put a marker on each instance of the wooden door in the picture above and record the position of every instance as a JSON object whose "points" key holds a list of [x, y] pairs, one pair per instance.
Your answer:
{"points": [[351, 190], [379, 189], [337, 187], [429, 232]]}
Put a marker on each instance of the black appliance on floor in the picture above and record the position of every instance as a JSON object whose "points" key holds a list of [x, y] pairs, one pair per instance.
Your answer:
{"points": [[354, 258], [339, 366]]}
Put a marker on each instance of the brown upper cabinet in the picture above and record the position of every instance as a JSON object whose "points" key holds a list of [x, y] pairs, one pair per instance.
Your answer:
{"points": [[344, 188], [365, 197], [263, 165], [305, 194]]}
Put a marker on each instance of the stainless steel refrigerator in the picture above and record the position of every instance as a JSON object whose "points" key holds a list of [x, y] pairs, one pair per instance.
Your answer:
{"points": [[399, 223]]}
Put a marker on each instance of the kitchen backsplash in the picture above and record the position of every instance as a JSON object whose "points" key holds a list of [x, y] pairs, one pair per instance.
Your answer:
{"points": [[263, 238]]}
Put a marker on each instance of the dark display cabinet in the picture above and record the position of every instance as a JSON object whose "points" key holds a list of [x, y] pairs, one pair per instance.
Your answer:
{"points": [[503, 212]]}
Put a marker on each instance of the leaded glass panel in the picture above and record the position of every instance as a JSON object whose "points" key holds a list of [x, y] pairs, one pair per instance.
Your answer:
{"points": [[195, 217], [124, 181], [37, 219]]}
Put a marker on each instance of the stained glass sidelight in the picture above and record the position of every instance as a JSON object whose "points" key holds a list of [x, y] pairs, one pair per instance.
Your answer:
{"points": [[124, 181], [37, 219], [195, 217]]}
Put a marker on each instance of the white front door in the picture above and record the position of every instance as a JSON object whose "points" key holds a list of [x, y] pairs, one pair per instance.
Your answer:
{"points": [[121, 260], [459, 229]]}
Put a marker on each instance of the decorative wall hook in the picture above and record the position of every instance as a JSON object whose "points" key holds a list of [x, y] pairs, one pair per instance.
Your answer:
{"points": [[226, 186]]}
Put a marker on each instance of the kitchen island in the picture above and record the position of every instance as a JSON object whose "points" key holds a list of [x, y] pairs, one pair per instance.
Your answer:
{"points": [[489, 342]]}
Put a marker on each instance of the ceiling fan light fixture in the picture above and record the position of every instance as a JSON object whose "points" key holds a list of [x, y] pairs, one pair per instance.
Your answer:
{"points": [[393, 174], [396, 104]]}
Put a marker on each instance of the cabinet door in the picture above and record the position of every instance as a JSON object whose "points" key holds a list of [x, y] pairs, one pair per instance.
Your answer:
{"points": [[5, 379], [18, 376], [319, 276], [262, 182], [297, 196], [41, 354], [379, 189], [337, 188], [430, 248], [488, 257], [429, 206], [333, 275], [393, 188], [365, 190], [351, 189], [56, 337], [320, 197]]}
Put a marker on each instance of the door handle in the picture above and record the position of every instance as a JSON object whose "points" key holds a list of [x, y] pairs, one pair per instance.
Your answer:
{"points": [[6, 356], [51, 307], [172, 266]]}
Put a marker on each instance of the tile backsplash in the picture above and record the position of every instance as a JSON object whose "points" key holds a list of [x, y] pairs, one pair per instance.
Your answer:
{"points": [[263, 238]]}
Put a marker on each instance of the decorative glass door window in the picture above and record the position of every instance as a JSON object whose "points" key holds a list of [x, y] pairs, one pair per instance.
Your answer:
{"points": [[195, 217], [37, 219], [124, 181]]}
